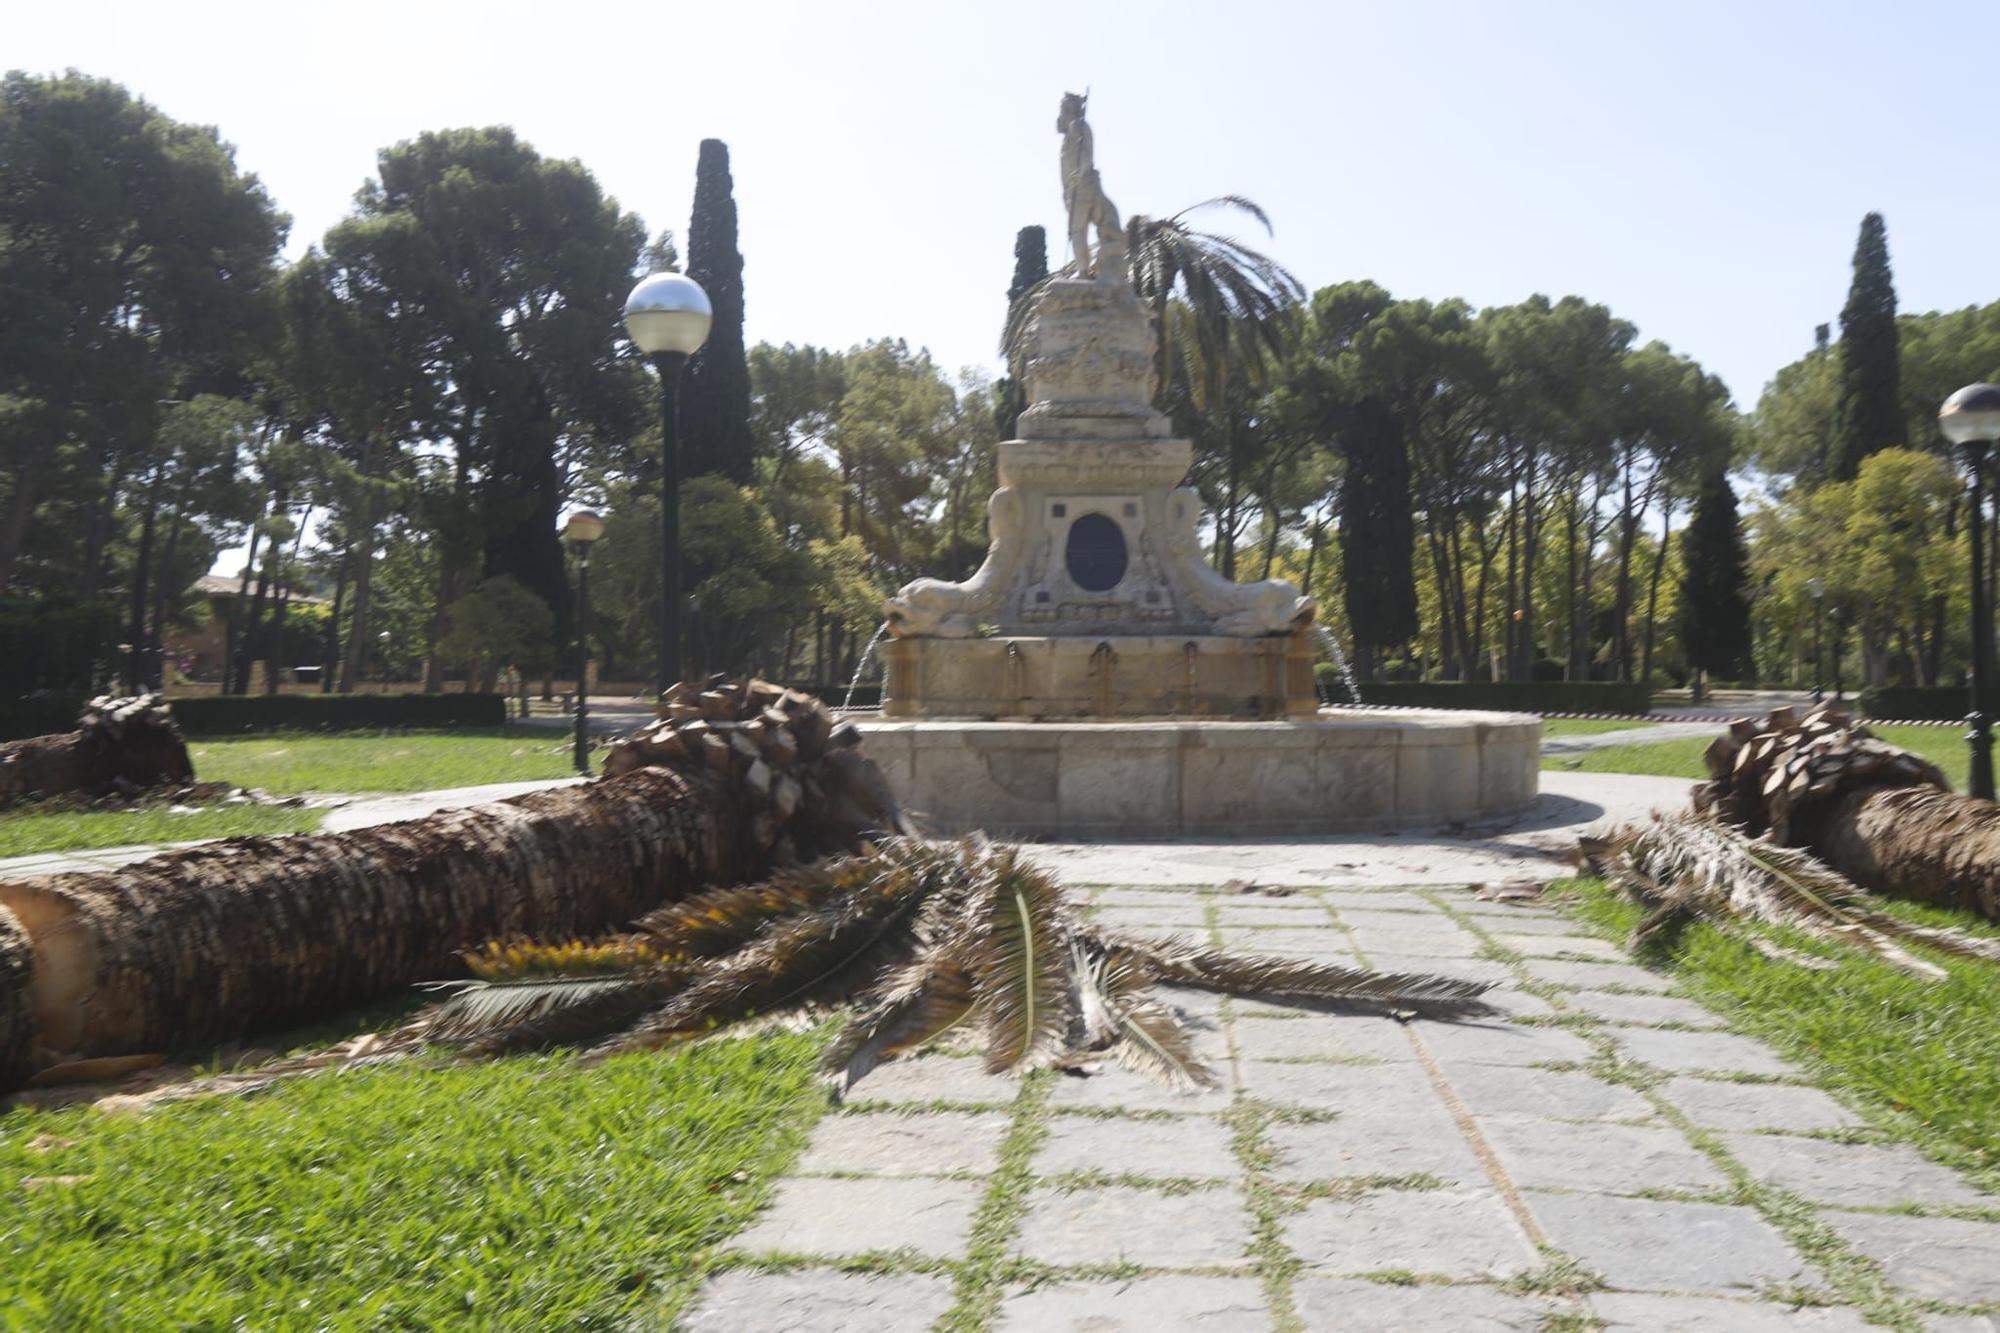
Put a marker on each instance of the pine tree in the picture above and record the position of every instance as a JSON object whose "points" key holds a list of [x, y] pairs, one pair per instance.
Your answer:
{"points": [[1031, 265], [1715, 578], [1377, 532], [1870, 413], [715, 401]]}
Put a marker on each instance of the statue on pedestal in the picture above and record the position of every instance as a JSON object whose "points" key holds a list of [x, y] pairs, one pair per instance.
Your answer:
{"points": [[1083, 195]]}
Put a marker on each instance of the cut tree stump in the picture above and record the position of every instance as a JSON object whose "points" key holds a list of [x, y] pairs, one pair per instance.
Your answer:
{"points": [[120, 745]]}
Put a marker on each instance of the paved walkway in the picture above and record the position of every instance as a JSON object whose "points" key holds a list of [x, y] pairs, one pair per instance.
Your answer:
{"points": [[1636, 735], [1606, 1151]]}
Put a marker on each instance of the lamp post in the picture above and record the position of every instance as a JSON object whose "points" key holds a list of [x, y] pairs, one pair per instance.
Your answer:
{"points": [[1970, 419], [667, 317], [582, 529], [1817, 587]]}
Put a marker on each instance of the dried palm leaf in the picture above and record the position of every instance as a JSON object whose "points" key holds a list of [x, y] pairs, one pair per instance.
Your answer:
{"points": [[1018, 952], [1690, 866], [1141, 1032], [920, 1003], [1180, 963]]}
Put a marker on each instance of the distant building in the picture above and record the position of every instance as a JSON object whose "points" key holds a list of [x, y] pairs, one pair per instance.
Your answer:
{"points": [[198, 653]]}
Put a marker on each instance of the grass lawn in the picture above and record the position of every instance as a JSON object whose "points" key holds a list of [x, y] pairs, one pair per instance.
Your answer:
{"points": [[1585, 726], [27, 832], [1943, 746], [1921, 1059], [288, 762], [521, 1193]]}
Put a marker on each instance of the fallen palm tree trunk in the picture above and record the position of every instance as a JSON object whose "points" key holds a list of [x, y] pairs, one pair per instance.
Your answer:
{"points": [[120, 745], [208, 944], [1881, 816]]}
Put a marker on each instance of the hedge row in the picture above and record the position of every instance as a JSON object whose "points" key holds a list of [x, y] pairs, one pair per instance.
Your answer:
{"points": [[1921, 703], [39, 714], [1511, 696], [229, 714]]}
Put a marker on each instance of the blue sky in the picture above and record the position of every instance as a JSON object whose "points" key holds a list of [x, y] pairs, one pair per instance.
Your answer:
{"points": [[1700, 168]]}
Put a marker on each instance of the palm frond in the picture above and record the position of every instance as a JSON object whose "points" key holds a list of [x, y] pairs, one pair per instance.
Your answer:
{"points": [[1703, 867], [1018, 953], [1179, 963], [921, 1002], [724, 920], [826, 956], [1142, 1033], [482, 1008]]}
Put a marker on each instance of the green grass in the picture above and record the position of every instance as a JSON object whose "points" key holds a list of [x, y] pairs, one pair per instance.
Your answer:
{"points": [[1585, 726], [292, 763], [1943, 746], [521, 1193], [1922, 1059], [406, 761], [29, 832]]}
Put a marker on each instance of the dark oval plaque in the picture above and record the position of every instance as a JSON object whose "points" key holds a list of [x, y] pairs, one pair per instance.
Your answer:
{"points": [[1095, 555]]}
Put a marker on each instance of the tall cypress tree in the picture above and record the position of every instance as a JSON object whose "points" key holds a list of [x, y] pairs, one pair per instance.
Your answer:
{"points": [[1377, 532], [715, 402], [1871, 412], [1715, 583], [1031, 265]]}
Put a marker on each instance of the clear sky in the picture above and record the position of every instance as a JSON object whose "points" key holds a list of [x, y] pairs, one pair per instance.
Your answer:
{"points": [[1701, 168]]}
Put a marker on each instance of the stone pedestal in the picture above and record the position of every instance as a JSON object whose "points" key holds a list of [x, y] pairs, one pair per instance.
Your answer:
{"points": [[1096, 598]]}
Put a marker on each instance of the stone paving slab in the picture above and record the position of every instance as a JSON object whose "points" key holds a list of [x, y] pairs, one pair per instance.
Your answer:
{"points": [[888, 1144], [1721, 1105], [817, 1301], [1652, 1244], [1691, 1052], [1453, 1232], [1594, 976], [1118, 1088], [1569, 1095], [1858, 1175], [1501, 1043], [1184, 1148], [1607, 1159], [936, 1078], [1424, 943], [818, 1216], [1328, 1304], [1332, 1037], [1645, 1010], [1142, 1305], [1407, 1142], [1118, 1225], [1561, 946], [1933, 1258], [1710, 1314], [1390, 1088]]}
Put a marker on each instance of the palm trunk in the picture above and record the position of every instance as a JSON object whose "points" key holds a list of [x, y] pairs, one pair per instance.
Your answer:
{"points": [[214, 942], [1918, 843], [130, 744]]}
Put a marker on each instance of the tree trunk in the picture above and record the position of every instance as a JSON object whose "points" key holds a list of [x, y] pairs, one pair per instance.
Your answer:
{"points": [[1918, 843], [119, 745], [330, 658], [1653, 591], [211, 943], [14, 527], [232, 638], [135, 660]]}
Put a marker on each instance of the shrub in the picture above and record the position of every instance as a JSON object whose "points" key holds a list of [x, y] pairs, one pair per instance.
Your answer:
{"points": [[229, 714], [1509, 696], [1921, 703]]}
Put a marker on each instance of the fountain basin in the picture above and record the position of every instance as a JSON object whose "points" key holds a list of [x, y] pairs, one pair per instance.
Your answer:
{"points": [[1095, 676], [1342, 770]]}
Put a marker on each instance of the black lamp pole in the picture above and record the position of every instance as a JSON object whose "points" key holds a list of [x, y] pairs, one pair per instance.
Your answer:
{"points": [[582, 657], [1819, 626], [670, 365], [1979, 727]]}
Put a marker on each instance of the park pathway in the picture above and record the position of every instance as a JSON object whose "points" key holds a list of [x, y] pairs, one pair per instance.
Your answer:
{"points": [[1606, 1152]]}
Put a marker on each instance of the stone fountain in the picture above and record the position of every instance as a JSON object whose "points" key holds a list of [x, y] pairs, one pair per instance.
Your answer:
{"points": [[1096, 676]]}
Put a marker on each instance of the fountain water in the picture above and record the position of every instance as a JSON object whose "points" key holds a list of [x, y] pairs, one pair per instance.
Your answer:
{"points": [[1340, 664], [881, 632]]}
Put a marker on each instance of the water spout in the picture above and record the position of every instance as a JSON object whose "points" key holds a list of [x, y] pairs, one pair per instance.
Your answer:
{"points": [[1339, 657], [862, 665]]}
